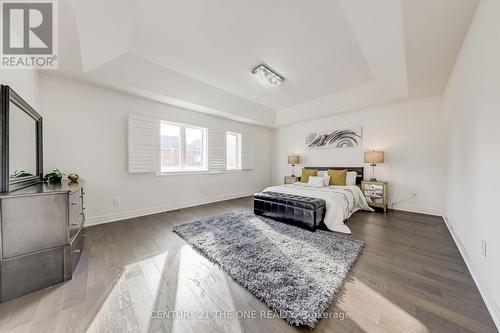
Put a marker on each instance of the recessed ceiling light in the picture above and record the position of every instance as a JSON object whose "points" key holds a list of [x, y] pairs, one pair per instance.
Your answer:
{"points": [[267, 77]]}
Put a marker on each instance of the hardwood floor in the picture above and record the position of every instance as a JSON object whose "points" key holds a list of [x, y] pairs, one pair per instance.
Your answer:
{"points": [[410, 278]]}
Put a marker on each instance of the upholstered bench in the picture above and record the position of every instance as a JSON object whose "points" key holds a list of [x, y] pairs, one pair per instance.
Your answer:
{"points": [[301, 211]]}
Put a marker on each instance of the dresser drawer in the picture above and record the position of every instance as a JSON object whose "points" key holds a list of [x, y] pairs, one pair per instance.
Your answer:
{"points": [[369, 193], [375, 199], [291, 180], [76, 216], [76, 248], [24, 274], [33, 223], [374, 187]]}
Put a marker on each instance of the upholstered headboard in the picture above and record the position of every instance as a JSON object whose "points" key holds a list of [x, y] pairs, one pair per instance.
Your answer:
{"points": [[359, 170]]}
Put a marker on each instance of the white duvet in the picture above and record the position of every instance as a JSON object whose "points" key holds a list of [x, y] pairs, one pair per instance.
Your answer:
{"points": [[341, 201]]}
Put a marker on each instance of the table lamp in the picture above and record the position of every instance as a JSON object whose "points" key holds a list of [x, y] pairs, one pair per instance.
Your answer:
{"points": [[374, 157], [292, 160]]}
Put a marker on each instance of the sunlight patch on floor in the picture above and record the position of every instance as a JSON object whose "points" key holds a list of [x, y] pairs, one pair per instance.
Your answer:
{"points": [[202, 290], [139, 299], [117, 304], [373, 312]]}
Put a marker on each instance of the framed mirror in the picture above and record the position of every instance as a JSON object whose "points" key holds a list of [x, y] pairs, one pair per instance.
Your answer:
{"points": [[20, 142]]}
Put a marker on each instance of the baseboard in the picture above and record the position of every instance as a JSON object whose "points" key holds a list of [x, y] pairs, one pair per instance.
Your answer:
{"points": [[417, 209], [483, 290], [95, 220]]}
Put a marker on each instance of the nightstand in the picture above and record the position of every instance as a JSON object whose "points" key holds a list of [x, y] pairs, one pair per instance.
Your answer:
{"points": [[375, 193], [291, 179]]}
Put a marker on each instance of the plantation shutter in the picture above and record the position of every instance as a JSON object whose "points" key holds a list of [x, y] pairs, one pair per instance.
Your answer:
{"points": [[247, 152], [216, 149], [143, 140]]}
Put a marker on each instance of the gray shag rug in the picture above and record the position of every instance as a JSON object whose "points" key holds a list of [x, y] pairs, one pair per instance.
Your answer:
{"points": [[297, 273]]}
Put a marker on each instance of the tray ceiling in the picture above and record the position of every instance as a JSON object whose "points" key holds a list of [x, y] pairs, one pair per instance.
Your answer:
{"points": [[197, 54]]}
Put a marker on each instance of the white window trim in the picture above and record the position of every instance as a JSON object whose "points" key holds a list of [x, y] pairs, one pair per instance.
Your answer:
{"points": [[183, 169], [238, 151], [199, 172]]}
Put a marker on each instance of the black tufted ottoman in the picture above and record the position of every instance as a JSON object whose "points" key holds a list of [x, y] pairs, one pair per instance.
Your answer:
{"points": [[301, 211]]}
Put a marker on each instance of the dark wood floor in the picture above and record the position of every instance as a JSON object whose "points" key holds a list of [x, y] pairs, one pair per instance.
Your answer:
{"points": [[410, 278]]}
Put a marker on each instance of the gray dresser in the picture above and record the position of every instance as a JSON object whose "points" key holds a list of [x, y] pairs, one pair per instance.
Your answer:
{"points": [[41, 236]]}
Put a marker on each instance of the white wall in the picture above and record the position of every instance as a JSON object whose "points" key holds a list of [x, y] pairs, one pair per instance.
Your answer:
{"points": [[472, 101], [24, 82], [411, 134], [86, 132]]}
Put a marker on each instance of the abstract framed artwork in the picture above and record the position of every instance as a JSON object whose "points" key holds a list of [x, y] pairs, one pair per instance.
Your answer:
{"points": [[340, 138]]}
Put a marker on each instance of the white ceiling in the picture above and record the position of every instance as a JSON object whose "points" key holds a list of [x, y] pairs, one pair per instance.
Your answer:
{"points": [[335, 55]]}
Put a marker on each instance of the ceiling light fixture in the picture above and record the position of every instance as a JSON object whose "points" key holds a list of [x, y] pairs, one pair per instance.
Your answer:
{"points": [[267, 77]]}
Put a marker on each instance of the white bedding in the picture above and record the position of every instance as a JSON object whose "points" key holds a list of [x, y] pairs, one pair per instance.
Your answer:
{"points": [[341, 201]]}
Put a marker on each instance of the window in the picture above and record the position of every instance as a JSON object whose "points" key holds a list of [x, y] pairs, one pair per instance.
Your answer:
{"points": [[170, 147], [182, 147], [233, 151]]}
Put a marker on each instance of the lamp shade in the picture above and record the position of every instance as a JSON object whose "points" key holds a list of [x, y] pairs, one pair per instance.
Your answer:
{"points": [[293, 159], [374, 157]]}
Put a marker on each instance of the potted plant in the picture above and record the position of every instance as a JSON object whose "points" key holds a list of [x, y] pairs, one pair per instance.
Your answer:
{"points": [[54, 177]]}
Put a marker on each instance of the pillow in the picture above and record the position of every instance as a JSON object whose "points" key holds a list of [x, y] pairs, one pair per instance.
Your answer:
{"points": [[316, 181], [351, 178], [337, 177], [323, 173], [306, 173], [326, 181]]}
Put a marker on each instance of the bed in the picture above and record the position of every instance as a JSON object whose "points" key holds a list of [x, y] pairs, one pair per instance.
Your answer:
{"points": [[341, 201]]}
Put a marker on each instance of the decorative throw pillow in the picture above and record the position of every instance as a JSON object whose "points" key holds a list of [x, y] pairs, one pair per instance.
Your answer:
{"points": [[316, 181], [323, 173], [337, 177], [306, 173], [351, 178]]}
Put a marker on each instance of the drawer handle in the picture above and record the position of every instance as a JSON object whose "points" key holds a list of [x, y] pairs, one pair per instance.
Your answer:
{"points": [[75, 223], [74, 203], [76, 251]]}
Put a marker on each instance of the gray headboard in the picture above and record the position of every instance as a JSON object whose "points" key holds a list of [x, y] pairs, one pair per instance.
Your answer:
{"points": [[359, 170]]}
